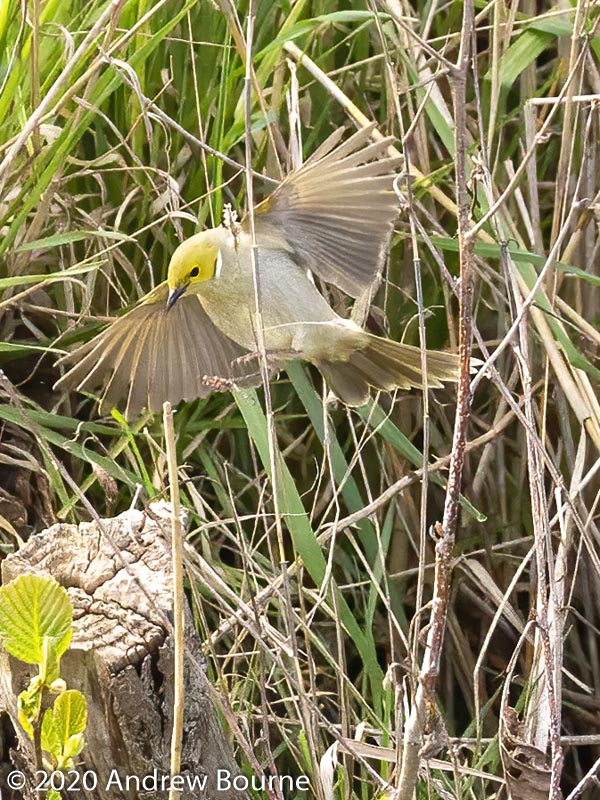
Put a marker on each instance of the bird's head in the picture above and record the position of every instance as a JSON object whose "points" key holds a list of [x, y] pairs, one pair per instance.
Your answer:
{"points": [[196, 260]]}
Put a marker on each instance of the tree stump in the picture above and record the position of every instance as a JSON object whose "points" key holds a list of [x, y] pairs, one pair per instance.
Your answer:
{"points": [[119, 578]]}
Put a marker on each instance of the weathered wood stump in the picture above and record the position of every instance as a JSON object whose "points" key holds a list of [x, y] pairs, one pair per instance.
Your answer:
{"points": [[118, 576]]}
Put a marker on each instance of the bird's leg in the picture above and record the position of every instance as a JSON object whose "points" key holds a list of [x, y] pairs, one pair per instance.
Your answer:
{"points": [[275, 358]]}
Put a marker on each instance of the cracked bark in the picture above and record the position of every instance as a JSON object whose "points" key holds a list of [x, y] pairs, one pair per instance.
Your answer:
{"points": [[118, 575]]}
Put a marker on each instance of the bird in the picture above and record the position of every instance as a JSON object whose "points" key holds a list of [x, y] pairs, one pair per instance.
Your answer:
{"points": [[202, 329]]}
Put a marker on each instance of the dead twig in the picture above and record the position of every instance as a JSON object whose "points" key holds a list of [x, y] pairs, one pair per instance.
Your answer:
{"points": [[446, 531], [178, 597]]}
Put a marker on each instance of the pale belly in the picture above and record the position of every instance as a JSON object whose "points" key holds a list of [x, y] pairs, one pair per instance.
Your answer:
{"points": [[295, 316]]}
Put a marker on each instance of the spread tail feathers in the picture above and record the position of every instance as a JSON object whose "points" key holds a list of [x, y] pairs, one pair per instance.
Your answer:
{"points": [[386, 365]]}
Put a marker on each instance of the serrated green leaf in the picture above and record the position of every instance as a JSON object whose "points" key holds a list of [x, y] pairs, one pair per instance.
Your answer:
{"points": [[32, 608], [49, 670], [50, 740], [63, 727], [73, 746], [29, 703], [70, 715]]}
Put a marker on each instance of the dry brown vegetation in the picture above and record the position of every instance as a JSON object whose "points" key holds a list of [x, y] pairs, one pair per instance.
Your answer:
{"points": [[311, 560]]}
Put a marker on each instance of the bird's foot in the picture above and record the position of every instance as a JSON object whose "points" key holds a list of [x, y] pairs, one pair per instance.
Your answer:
{"points": [[218, 384]]}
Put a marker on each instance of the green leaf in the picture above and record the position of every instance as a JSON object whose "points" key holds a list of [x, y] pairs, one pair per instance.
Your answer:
{"points": [[37, 416], [489, 250], [10, 347], [33, 608], [577, 359], [376, 418], [304, 539], [50, 740], [74, 746], [49, 670], [29, 703], [59, 239], [290, 502], [530, 44], [290, 32], [573, 355], [557, 26], [51, 277], [34, 421], [70, 714], [63, 727], [116, 414], [70, 719], [339, 465]]}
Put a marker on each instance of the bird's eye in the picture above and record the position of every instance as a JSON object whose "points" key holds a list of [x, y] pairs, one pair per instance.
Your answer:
{"points": [[194, 272]]}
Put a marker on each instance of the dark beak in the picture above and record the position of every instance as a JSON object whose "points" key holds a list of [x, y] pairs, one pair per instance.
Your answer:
{"points": [[174, 296]]}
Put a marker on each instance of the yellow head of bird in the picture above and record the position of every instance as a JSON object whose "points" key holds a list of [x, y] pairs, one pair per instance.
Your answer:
{"points": [[196, 260]]}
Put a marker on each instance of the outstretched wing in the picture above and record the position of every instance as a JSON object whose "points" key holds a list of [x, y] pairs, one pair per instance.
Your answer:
{"points": [[336, 213], [150, 355]]}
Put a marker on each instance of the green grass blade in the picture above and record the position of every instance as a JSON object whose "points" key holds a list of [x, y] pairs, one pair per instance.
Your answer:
{"points": [[303, 536]]}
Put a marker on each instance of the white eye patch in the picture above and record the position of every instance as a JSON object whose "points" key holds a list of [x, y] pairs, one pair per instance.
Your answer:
{"points": [[218, 264]]}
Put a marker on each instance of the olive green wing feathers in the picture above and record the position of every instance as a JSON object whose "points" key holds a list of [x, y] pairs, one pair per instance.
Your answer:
{"points": [[150, 355], [336, 213]]}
